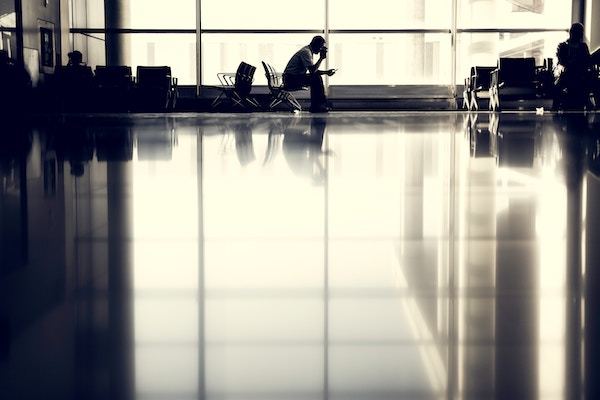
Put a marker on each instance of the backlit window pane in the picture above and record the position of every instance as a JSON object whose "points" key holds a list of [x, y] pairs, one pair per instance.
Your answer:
{"points": [[542, 14], [263, 14], [390, 14], [161, 14]]}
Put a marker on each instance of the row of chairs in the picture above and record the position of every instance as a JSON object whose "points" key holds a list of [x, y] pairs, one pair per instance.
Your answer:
{"points": [[236, 87], [114, 88], [512, 80], [516, 81]]}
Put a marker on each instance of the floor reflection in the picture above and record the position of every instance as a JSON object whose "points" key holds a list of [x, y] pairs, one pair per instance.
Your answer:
{"points": [[350, 256]]}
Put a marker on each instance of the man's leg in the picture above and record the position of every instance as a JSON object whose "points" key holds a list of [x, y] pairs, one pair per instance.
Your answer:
{"points": [[318, 101]]}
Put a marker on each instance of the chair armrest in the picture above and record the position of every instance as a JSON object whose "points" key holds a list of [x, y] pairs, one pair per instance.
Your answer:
{"points": [[226, 78]]}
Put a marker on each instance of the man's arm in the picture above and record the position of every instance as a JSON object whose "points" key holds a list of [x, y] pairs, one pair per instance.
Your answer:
{"points": [[315, 68]]}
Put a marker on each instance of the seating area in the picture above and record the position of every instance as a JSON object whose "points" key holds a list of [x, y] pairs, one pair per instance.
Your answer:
{"points": [[234, 92], [112, 89], [513, 84], [514, 80]]}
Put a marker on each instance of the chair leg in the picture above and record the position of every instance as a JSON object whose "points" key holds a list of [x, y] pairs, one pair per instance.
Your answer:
{"points": [[474, 103], [497, 106], [217, 100], [174, 101], [274, 103], [253, 102], [292, 100], [492, 105]]}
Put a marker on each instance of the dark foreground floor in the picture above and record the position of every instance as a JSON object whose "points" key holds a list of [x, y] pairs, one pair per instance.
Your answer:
{"points": [[348, 256]]}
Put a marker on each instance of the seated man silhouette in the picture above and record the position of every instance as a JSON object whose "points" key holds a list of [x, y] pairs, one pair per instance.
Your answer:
{"points": [[573, 84], [301, 72], [77, 68], [75, 83]]}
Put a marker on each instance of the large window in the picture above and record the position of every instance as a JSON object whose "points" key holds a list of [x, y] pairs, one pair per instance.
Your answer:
{"points": [[488, 29], [224, 51], [374, 43]]}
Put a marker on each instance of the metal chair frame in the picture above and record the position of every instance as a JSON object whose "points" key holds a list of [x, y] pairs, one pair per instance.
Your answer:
{"points": [[229, 89], [278, 91]]}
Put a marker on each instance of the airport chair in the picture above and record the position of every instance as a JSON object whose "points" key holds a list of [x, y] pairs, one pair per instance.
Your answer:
{"points": [[114, 84], [514, 80], [279, 94], [236, 87], [480, 86], [75, 87], [467, 89], [595, 87], [156, 88]]}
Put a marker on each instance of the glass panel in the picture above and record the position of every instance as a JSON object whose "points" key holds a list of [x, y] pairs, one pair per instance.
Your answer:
{"points": [[87, 13], [484, 48], [546, 14], [158, 14], [390, 14], [262, 14], [175, 50], [8, 19], [390, 59], [92, 47], [223, 53], [7, 14]]}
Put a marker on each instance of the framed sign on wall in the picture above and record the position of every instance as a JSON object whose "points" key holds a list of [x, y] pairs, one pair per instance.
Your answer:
{"points": [[47, 49]]}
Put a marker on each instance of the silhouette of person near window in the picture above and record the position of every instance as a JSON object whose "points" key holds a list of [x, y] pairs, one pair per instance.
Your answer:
{"points": [[75, 83], [301, 72], [77, 69], [15, 85], [573, 83]]}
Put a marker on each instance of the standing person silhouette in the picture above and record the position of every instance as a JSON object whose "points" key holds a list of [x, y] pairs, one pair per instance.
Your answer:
{"points": [[574, 59], [301, 71], [15, 85]]}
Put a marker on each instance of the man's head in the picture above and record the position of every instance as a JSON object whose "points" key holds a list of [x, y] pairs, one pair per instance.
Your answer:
{"points": [[576, 32], [316, 44], [75, 57]]}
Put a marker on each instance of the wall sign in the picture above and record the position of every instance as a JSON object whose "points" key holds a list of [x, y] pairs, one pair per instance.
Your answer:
{"points": [[47, 49]]}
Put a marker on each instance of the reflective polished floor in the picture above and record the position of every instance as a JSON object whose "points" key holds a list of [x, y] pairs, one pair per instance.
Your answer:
{"points": [[348, 256]]}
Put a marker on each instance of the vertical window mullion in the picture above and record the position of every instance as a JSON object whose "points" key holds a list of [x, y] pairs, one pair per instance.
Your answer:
{"points": [[454, 47], [198, 46], [326, 33]]}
